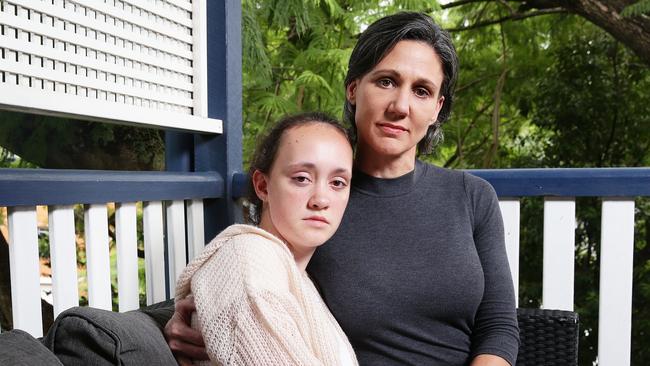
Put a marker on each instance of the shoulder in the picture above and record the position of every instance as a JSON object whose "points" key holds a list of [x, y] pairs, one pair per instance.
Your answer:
{"points": [[455, 182], [439, 176], [477, 186], [246, 250], [265, 262]]}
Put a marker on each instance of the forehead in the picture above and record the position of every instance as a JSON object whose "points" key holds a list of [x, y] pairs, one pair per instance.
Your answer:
{"points": [[415, 57], [311, 133]]}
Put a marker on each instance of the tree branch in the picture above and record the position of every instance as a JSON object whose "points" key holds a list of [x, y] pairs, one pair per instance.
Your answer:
{"points": [[460, 3], [515, 16]]}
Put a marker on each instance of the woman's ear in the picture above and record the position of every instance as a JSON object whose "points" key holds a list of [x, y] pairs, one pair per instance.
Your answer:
{"points": [[439, 104], [351, 92], [261, 185]]}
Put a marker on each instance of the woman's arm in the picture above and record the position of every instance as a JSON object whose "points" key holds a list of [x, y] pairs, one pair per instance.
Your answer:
{"points": [[495, 331], [186, 343]]}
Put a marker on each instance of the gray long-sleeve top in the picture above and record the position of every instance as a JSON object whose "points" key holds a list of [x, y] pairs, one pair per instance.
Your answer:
{"points": [[417, 273]]}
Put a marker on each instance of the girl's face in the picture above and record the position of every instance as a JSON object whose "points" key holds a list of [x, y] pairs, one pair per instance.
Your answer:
{"points": [[306, 192], [397, 101]]}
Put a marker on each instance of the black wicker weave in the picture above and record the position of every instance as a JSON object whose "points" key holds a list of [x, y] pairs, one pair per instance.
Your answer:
{"points": [[548, 337]]}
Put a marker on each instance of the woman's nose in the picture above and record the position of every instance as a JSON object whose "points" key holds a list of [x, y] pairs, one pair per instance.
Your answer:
{"points": [[399, 106]]}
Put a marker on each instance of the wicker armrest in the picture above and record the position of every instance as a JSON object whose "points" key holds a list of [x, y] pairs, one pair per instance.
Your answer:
{"points": [[548, 337]]}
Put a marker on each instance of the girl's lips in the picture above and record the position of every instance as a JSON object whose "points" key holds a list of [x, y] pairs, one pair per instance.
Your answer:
{"points": [[317, 219]]}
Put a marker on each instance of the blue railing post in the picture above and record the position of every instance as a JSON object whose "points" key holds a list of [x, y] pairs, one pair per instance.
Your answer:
{"points": [[222, 153], [179, 152]]}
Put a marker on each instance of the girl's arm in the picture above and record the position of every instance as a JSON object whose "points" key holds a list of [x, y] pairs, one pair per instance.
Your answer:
{"points": [[245, 310]]}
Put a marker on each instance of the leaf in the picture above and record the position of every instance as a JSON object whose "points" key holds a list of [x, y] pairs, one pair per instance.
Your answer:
{"points": [[637, 8], [273, 104], [312, 80]]}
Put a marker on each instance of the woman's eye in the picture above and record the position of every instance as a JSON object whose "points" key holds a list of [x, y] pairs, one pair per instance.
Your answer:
{"points": [[385, 83], [422, 92]]}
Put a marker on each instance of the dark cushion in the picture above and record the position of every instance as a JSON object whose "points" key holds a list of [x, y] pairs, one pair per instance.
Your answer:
{"points": [[87, 336], [18, 348]]}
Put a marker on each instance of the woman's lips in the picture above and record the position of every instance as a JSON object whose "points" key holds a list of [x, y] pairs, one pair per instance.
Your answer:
{"points": [[391, 129]]}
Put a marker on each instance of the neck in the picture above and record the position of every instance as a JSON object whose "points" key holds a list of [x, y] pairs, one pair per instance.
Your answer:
{"points": [[302, 259], [383, 166]]}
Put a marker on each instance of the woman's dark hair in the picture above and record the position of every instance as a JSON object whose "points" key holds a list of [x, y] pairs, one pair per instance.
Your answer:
{"points": [[267, 150], [380, 38]]}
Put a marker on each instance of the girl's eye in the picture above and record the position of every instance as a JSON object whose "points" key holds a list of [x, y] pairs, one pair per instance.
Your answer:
{"points": [[300, 179], [422, 92], [385, 83]]}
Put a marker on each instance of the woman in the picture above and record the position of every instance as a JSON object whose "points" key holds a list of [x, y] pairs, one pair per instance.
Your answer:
{"points": [[254, 301], [417, 273]]}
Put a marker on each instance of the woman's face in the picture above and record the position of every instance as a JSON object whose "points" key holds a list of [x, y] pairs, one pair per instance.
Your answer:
{"points": [[397, 101], [306, 192]]}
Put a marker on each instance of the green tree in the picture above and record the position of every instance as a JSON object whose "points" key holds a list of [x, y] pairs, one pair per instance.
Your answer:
{"points": [[594, 103]]}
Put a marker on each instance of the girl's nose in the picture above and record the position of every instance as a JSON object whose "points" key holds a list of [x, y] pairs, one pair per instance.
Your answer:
{"points": [[319, 200]]}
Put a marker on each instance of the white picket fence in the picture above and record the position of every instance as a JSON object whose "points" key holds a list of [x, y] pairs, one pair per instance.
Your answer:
{"points": [[164, 226], [616, 264]]}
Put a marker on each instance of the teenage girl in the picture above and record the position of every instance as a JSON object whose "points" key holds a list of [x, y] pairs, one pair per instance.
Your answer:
{"points": [[255, 304]]}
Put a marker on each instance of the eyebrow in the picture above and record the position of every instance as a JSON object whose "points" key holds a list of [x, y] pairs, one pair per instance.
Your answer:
{"points": [[396, 74], [310, 165]]}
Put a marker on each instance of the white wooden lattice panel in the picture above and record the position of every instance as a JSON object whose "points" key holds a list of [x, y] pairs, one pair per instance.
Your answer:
{"points": [[136, 62]]}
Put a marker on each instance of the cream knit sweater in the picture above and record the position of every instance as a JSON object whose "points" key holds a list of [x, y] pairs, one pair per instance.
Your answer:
{"points": [[255, 307]]}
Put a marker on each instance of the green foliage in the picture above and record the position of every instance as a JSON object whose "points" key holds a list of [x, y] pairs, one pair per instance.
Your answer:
{"points": [[295, 55], [637, 8], [10, 160]]}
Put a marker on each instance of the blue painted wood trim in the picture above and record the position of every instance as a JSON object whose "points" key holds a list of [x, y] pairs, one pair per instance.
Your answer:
{"points": [[28, 187], [560, 182], [568, 182], [222, 153], [239, 185], [179, 151]]}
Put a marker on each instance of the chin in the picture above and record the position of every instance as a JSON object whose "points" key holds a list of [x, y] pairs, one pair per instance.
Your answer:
{"points": [[316, 241]]}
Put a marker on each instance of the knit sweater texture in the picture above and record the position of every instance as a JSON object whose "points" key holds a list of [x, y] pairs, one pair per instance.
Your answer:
{"points": [[417, 273], [255, 307]]}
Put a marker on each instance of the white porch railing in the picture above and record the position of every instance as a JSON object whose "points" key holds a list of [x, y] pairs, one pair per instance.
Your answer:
{"points": [[166, 221], [618, 189], [617, 244], [167, 224], [158, 237]]}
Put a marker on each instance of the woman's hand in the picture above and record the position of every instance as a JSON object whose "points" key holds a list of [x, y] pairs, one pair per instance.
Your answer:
{"points": [[186, 343], [489, 360]]}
